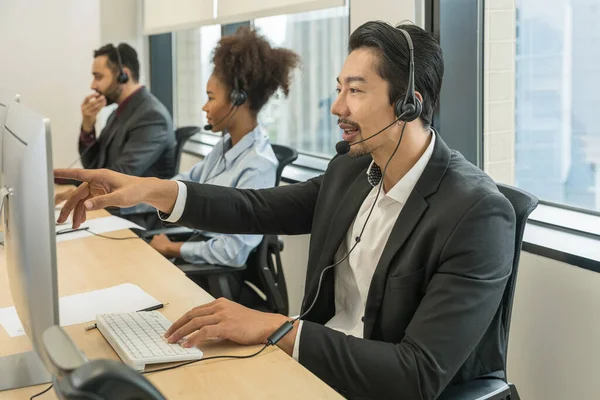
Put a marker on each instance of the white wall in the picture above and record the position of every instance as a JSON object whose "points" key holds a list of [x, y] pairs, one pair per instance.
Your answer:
{"points": [[48, 58], [46, 52], [391, 11], [553, 346], [122, 21]]}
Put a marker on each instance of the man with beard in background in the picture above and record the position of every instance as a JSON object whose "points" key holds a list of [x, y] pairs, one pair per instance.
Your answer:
{"points": [[138, 138]]}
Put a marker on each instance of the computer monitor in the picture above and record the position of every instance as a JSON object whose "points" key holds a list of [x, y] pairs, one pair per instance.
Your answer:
{"points": [[30, 241], [30, 248]]}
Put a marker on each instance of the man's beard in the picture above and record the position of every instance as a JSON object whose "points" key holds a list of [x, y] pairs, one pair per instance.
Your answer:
{"points": [[359, 149], [112, 93]]}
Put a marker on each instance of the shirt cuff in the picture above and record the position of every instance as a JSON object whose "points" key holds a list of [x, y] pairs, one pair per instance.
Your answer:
{"points": [[188, 252], [296, 351], [87, 138], [179, 205]]}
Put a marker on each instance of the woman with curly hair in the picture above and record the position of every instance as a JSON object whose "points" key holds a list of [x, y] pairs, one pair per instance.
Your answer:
{"points": [[247, 72]]}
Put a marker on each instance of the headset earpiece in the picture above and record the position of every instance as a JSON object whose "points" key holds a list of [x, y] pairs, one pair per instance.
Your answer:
{"points": [[122, 76], [409, 111], [237, 96]]}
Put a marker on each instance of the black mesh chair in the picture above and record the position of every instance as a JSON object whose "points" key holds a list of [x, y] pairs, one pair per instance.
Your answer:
{"points": [[492, 388], [181, 136], [285, 155], [148, 218], [260, 283]]}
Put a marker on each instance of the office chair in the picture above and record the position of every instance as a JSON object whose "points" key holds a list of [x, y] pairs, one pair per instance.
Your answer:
{"points": [[260, 283], [492, 388], [148, 218], [285, 155], [181, 136]]}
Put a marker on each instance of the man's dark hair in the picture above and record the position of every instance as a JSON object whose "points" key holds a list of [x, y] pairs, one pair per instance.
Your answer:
{"points": [[394, 61], [129, 58], [259, 68]]}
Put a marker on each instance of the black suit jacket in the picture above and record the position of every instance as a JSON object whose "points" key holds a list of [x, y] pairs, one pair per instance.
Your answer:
{"points": [[433, 313], [139, 141]]}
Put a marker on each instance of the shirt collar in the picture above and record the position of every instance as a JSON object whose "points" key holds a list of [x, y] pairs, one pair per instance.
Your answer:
{"points": [[231, 153], [124, 103], [404, 187]]}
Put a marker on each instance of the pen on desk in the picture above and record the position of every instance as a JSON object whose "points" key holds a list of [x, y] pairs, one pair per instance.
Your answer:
{"points": [[156, 307], [152, 308], [69, 230]]}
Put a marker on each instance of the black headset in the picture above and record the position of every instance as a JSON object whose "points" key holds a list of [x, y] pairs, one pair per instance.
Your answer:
{"points": [[122, 77], [410, 106], [237, 96]]}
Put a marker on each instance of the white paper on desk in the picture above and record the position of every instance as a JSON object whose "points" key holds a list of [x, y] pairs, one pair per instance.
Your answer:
{"points": [[96, 225], [84, 307], [10, 321], [66, 223]]}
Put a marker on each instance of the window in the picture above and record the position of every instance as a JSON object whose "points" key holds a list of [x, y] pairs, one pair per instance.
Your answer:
{"points": [[193, 48], [304, 120], [557, 101]]}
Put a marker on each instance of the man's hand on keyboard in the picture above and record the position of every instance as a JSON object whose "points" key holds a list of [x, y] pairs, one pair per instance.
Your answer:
{"points": [[224, 319]]}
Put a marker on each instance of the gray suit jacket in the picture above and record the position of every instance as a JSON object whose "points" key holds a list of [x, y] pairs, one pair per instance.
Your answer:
{"points": [[433, 312], [139, 141]]}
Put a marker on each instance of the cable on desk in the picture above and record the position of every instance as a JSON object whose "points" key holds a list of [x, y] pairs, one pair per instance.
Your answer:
{"points": [[91, 396], [40, 393], [205, 359], [115, 238]]}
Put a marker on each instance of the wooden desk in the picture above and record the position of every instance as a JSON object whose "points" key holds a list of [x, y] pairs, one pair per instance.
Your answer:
{"points": [[95, 263]]}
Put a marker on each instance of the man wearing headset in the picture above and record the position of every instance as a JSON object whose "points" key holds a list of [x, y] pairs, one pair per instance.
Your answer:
{"points": [[138, 138], [411, 245]]}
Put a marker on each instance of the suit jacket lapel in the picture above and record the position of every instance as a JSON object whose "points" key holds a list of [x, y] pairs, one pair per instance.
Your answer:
{"points": [[406, 222], [118, 121], [108, 132], [343, 217]]}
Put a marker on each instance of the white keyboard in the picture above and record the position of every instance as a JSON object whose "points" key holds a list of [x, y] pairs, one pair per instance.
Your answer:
{"points": [[138, 338]]}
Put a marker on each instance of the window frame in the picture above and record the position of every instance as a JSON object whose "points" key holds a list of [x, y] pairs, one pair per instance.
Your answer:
{"points": [[308, 165]]}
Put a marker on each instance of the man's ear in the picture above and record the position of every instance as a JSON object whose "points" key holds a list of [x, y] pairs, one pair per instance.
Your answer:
{"points": [[127, 71], [419, 96]]}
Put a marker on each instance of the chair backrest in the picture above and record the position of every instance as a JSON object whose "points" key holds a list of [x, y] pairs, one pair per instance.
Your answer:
{"points": [[265, 271], [264, 268], [181, 136], [523, 203], [285, 155]]}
